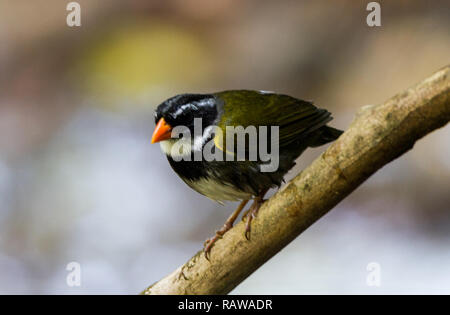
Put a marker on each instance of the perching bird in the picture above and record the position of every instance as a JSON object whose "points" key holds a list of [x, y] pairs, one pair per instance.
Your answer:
{"points": [[300, 125]]}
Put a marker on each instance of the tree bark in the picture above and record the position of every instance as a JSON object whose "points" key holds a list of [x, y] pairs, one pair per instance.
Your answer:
{"points": [[378, 135]]}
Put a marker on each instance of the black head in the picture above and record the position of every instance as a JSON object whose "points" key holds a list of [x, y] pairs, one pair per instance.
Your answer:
{"points": [[181, 110]]}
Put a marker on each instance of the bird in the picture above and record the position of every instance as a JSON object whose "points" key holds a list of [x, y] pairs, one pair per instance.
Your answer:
{"points": [[300, 124]]}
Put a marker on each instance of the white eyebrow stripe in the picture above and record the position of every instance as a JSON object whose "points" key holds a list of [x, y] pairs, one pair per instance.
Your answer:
{"points": [[266, 92], [183, 108]]}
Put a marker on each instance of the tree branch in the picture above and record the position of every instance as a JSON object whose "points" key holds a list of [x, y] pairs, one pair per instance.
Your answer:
{"points": [[378, 135]]}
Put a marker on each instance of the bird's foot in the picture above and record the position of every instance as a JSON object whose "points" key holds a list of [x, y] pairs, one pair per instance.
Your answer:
{"points": [[250, 215], [225, 228], [209, 243]]}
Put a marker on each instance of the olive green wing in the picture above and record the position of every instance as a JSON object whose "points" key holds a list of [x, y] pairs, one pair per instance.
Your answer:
{"points": [[295, 118]]}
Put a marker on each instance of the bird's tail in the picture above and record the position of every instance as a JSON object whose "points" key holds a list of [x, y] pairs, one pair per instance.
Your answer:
{"points": [[324, 135]]}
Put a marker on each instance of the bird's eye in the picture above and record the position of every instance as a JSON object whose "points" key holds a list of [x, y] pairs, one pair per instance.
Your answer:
{"points": [[186, 118]]}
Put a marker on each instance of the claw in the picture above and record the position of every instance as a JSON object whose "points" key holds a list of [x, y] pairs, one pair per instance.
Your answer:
{"points": [[248, 216], [247, 235], [251, 214], [206, 255], [225, 228], [209, 244]]}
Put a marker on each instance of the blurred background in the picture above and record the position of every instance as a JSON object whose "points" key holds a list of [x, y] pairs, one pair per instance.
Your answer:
{"points": [[79, 180]]}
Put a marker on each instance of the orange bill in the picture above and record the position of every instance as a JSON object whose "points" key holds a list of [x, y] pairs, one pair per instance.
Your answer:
{"points": [[163, 131]]}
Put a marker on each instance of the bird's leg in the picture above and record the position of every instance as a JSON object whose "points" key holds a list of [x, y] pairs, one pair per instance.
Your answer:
{"points": [[227, 226], [252, 212]]}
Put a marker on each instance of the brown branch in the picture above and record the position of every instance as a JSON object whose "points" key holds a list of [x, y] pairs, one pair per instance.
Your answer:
{"points": [[378, 135]]}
